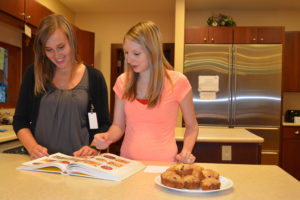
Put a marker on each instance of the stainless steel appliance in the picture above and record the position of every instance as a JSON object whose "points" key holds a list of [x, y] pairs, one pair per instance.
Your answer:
{"points": [[237, 86]]}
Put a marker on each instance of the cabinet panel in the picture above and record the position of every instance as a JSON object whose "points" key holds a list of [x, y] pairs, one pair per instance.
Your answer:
{"points": [[27, 52], [220, 35], [245, 35], [35, 12], [196, 35], [86, 46], [258, 35], [208, 35], [13, 7], [25, 10], [290, 157], [291, 133], [242, 153], [270, 35], [291, 62]]}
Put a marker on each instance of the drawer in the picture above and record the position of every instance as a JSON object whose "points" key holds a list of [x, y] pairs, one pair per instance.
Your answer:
{"points": [[291, 132]]}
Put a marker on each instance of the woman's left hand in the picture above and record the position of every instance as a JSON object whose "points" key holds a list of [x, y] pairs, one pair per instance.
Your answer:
{"points": [[85, 151], [185, 157]]}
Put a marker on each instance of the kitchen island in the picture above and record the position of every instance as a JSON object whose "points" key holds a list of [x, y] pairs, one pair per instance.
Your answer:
{"points": [[214, 145], [250, 182], [224, 145]]}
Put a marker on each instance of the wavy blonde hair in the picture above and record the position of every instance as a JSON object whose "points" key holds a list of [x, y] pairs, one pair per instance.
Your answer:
{"points": [[147, 35], [44, 69]]}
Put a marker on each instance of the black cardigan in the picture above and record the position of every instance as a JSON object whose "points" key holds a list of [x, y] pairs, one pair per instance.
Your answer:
{"points": [[28, 104]]}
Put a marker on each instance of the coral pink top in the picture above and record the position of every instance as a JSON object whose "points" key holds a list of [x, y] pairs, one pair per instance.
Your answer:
{"points": [[150, 132]]}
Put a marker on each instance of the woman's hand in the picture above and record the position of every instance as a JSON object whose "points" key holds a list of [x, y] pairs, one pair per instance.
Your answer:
{"points": [[185, 157], [37, 151], [101, 140], [85, 151]]}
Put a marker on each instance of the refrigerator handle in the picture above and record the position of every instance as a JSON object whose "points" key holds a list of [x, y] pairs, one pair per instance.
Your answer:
{"points": [[235, 77], [229, 83]]}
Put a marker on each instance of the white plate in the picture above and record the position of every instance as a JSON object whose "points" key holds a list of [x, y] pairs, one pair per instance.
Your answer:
{"points": [[226, 183]]}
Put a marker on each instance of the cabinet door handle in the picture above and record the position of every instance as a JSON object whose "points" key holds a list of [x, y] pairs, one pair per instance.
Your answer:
{"points": [[253, 39], [28, 17], [262, 39], [22, 14], [205, 39], [212, 39], [297, 132]]}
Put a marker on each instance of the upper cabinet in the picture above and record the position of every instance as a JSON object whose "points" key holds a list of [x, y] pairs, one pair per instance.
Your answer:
{"points": [[258, 35], [16, 8], [17, 12], [28, 11], [208, 35], [291, 62], [236, 35], [35, 12]]}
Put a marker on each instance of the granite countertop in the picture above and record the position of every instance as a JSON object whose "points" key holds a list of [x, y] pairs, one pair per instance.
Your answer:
{"points": [[249, 182], [221, 134], [290, 124], [7, 135]]}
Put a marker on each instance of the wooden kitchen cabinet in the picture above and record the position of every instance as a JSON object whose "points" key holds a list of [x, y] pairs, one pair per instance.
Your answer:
{"points": [[35, 12], [15, 8], [211, 152], [208, 35], [291, 62], [258, 35], [290, 150], [28, 11], [236, 35], [86, 46]]}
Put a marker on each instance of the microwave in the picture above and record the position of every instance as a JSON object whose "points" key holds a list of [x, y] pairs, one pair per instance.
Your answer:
{"points": [[290, 114]]}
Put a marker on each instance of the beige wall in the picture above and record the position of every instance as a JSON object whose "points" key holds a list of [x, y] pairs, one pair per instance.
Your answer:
{"points": [[287, 18], [110, 28]]}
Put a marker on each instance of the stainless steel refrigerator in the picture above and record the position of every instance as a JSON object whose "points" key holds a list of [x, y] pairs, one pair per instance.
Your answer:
{"points": [[238, 86]]}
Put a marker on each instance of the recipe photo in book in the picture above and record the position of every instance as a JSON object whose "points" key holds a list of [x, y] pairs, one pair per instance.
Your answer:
{"points": [[103, 166]]}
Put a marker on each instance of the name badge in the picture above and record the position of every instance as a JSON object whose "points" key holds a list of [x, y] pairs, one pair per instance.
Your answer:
{"points": [[93, 120]]}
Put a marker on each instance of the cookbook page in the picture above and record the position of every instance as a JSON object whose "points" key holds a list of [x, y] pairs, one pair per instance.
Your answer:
{"points": [[106, 166], [56, 163]]}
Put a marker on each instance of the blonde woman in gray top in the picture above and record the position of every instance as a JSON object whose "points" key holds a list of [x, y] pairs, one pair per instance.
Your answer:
{"points": [[58, 94]]}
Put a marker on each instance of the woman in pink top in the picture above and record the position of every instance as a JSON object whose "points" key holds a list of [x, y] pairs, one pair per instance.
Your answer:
{"points": [[148, 96]]}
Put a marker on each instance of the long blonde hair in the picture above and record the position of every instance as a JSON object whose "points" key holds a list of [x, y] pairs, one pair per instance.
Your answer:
{"points": [[147, 35], [44, 69]]}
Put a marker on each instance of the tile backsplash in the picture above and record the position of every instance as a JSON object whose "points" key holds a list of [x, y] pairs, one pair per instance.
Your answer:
{"points": [[291, 101]]}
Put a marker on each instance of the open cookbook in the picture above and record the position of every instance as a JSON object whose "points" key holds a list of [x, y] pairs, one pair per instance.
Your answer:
{"points": [[104, 166]]}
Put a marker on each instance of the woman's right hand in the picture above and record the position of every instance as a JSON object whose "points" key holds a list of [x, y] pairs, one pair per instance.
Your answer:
{"points": [[101, 140], [37, 151]]}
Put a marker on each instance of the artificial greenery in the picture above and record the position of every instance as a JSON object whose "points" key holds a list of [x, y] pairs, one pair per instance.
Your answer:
{"points": [[220, 20]]}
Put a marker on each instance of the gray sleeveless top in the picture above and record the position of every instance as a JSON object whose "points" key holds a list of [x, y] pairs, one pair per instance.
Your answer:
{"points": [[61, 123]]}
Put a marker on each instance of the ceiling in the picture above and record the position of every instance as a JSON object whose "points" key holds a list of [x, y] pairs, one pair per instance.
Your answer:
{"points": [[96, 6]]}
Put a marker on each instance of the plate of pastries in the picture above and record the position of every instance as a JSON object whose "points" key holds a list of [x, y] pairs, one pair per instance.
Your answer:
{"points": [[192, 178]]}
